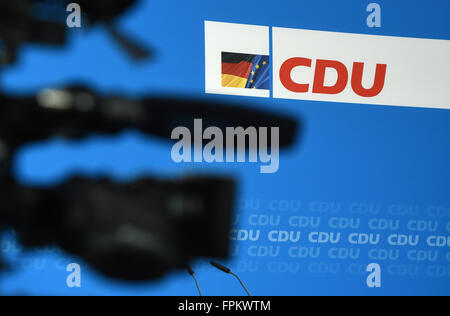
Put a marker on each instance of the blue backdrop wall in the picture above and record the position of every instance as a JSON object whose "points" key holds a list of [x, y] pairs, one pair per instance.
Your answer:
{"points": [[355, 169]]}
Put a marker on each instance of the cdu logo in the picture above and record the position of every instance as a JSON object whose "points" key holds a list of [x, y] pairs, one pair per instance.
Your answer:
{"points": [[326, 66]]}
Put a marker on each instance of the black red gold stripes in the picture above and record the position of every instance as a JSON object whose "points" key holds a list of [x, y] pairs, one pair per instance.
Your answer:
{"points": [[236, 69]]}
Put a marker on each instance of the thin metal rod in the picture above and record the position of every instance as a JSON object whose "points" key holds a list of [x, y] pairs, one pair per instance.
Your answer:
{"points": [[196, 283], [248, 293]]}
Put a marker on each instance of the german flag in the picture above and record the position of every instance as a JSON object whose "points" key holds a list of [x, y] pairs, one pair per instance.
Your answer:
{"points": [[245, 71], [236, 69]]}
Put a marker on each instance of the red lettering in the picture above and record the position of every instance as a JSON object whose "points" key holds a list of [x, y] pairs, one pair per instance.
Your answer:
{"points": [[342, 77], [319, 77], [286, 70], [378, 84]]}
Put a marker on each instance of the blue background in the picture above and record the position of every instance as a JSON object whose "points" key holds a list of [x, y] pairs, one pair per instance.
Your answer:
{"points": [[347, 153]]}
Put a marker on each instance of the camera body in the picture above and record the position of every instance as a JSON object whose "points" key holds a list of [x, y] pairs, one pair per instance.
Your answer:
{"points": [[133, 231]]}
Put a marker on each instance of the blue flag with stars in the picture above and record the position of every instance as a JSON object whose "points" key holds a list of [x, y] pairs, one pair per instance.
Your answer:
{"points": [[260, 74]]}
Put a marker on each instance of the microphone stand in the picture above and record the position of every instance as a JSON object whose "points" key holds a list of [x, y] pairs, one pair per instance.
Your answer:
{"points": [[240, 281], [191, 272], [228, 271]]}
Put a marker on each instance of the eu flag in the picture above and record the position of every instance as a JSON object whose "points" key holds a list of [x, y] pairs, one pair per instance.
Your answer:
{"points": [[260, 74]]}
